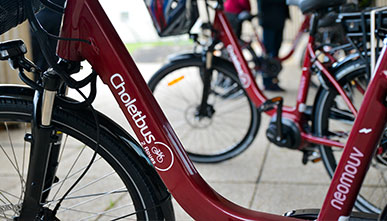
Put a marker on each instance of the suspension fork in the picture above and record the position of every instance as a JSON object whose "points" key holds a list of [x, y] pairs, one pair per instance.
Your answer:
{"points": [[206, 76], [44, 149]]}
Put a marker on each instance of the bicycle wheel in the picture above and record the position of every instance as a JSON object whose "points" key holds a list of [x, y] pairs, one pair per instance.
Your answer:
{"points": [[113, 188], [232, 122], [334, 120]]}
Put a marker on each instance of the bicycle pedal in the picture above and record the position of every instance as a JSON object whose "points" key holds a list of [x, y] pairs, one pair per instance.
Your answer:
{"points": [[270, 104], [310, 156]]}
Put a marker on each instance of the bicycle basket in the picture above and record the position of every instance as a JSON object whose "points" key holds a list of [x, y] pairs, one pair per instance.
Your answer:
{"points": [[172, 17]]}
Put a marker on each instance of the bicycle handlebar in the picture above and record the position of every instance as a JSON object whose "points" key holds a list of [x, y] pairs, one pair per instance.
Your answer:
{"points": [[12, 13]]}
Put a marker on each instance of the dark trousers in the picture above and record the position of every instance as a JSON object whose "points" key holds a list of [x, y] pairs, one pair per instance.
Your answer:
{"points": [[235, 23], [272, 39]]}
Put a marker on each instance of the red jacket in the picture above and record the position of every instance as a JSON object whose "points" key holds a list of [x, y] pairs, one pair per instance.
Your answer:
{"points": [[236, 6]]}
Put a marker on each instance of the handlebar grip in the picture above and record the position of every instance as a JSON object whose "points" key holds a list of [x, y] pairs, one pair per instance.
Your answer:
{"points": [[12, 13]]}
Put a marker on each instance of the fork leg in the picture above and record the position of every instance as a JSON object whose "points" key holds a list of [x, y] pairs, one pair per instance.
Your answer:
{"points": [[42, 139], [206, 72]]}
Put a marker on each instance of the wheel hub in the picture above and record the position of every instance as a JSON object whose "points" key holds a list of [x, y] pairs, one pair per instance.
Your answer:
{"points": [[197, 120]]}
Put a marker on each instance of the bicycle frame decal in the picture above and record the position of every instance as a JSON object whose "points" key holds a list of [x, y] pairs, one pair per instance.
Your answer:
{"points": [[346, 178], [365, 131], [243, 76], [156, 151]]}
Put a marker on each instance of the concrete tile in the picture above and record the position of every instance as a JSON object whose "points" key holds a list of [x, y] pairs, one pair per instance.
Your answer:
{"points": [[243, 168], [284, 165]]}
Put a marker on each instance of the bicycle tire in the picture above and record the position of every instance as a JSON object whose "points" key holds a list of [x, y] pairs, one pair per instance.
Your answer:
{"points": [[219, 131], [114, 187], [332, 117]]}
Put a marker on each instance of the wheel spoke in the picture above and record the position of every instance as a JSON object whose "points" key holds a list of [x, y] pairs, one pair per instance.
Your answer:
{"points": [[96, 197], [69, 171]]}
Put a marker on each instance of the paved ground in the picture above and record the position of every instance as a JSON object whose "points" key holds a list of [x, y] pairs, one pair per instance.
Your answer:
{"points": [[264, 177]]}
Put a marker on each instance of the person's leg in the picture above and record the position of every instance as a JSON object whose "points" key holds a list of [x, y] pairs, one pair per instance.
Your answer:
{"points": [[278, 40], [272, 39], [235, 23], [269, 35]]}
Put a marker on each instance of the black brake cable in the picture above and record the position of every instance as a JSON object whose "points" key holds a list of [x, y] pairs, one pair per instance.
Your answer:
{"points": [[53, 6]]}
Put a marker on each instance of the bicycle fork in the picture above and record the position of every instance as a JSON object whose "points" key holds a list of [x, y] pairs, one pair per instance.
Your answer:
{"points": [[205, 109], [45, 144]]}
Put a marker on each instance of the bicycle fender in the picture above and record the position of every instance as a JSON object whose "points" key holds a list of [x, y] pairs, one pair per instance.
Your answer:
{"points": [[109, 126], [187, 56], [347, 59], [336, 66], [184, 56], [338, 77]]}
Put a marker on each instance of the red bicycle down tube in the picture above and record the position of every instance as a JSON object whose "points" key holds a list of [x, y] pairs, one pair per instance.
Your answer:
{"points": [[368, 127], [85, 19]]}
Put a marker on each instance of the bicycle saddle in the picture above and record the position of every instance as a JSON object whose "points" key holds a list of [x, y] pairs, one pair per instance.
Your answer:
{"points": [[307, 6]]}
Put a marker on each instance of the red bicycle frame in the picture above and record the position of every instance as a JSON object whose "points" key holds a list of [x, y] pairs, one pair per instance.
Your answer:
{"points": [[257, 96], [85, 19]]}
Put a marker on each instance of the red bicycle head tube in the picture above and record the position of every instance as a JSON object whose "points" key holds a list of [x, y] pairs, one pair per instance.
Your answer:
{"points": [[85, 19]]}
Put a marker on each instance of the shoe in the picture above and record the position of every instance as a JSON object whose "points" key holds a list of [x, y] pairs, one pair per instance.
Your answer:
{"points": [[274, 88]]}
